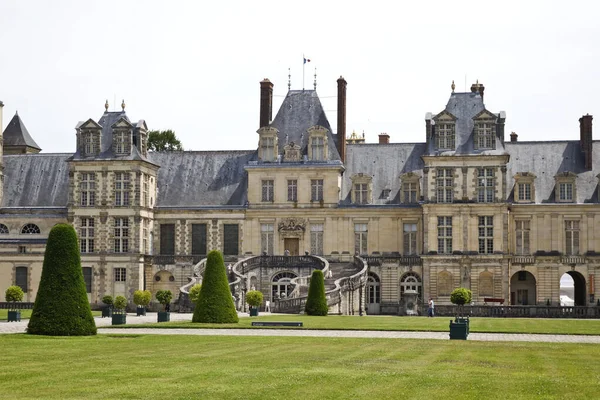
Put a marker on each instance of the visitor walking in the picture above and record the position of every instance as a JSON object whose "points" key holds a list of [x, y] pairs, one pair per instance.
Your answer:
{"points": [[430, 307]]}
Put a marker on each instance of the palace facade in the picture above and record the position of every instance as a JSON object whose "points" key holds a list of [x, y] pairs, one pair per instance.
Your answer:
{"points": [[461, 208]]}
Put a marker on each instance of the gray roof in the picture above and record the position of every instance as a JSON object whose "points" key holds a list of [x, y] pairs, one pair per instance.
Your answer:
{"points": [[385, 163], [202, 178], [16, 134], [36, 180], [547, 159], [300, 110]]}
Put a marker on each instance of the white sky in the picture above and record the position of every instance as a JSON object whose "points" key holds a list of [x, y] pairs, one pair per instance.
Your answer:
{"points": [[195, 67]]}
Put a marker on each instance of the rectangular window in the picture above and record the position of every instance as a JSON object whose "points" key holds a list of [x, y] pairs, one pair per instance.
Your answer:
{"points": [[86, 235], [120, 274], [565, 191], [121, 188], [316, 190], [268, 149], [167, 239], [267, 190], [485, 185], [120, 140], [267, 232], [87, 278], [121, 235], [316, 239], [360, 238], [522, 238], [486, 235], [360, 193], [22, 278], [410, 192], [88, 143], [572, 237], [444, 235], [230, 239], [146, 191], [485, 135], [292, 190], [524, 190], [410, 239], [145, 240], [318, 151], [445, 185], [199, 245], [445, 135], [87, 189]]}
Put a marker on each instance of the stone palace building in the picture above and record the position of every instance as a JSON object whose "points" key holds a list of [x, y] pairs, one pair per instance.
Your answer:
{"points": [[463, 207]]}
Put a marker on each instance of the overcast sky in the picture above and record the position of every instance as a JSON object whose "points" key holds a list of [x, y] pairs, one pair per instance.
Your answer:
{"points": [[195, 67]]}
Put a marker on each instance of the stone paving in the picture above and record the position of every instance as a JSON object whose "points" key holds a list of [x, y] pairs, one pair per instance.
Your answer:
{"points": [[19, 327]]}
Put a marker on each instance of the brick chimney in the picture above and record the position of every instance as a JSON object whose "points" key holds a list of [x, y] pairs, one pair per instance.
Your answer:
{"points": [[341, 118], [585, 139], [478, 87], [384, 138], [513, 137], [266, 102]]}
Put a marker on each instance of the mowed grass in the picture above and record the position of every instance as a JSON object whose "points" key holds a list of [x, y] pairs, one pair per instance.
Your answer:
{"points": [[391, 323], [228, 367], [26, 314]]}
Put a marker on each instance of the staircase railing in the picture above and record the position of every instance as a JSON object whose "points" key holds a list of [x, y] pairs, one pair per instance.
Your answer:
{"points": [[184, 292]]}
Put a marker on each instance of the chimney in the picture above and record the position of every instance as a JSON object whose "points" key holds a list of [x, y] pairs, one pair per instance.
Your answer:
{"points": [[513, 137], [266, 102], [478, 88], [585, 139], [341, 118], [384, 138]]}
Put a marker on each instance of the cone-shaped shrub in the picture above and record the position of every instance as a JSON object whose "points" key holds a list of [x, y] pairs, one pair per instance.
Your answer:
{"points": [[61, 306], [215, 304], [316, 303]]}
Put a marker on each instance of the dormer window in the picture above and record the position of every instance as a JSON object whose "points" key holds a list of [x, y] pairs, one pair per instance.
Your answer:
{"points": [[524, 191], [361, 188], [410, 188], [485, 130], [446, 138], [88, 136], [565, 189], [317, 148], [122, 142], [268, 144]]}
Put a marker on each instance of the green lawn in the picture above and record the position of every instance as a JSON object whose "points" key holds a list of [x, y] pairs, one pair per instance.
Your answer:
{"points": [[26, 314], [384, 323], [228, 367]]}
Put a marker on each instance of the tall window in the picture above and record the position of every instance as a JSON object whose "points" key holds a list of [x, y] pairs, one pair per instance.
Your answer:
{"points": [[485, 185], [86, 235], [522, 238], [120, 274], [565, 191], [360, 193], [22, 278], [121, 142], [89, 147], [121, 235], [360, 238], [316, 239], [410, 192], [167, 239], [410, 239], [318, 148], [146, 191], [268, 149], [373, 289], [486, 235], [267, 232], [572, 237], [121, 188], [87, 189], [524, 191], [316, 190], [445, 185], [444, 235], [267, 191], [230, 239], [199, 244], [145, 240], [292, 194], [445, 137], [87, 278], [485, 135]]}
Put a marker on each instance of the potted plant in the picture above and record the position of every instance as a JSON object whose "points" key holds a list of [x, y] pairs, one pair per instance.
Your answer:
{"points": [[164, 297], [459, 329], [14, 294], [119, 315], [108, 304], [254, 298], [141, 298]]}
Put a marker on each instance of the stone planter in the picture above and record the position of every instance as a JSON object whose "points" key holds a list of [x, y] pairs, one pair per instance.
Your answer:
{"points": [[141, 311], [14, 316], [119, 319], [164, 316], [107, 312]]}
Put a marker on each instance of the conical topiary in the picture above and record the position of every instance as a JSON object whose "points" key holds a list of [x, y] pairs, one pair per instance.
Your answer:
{"points": [[215, 303], [316, 303], [61, 306]]}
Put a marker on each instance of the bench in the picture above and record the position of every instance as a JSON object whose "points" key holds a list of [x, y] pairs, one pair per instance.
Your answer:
{"points": [[272, 323], [493, 300]]}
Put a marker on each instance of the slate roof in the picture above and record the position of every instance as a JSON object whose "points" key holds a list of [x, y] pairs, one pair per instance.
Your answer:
{"points": [[16, 134], [36, 180], [202, 178], [300, 110]]}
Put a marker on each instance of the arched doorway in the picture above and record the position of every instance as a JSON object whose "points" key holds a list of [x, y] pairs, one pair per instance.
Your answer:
{"points": [[522, 289], [373, 294], [411, 293], [572, 289], [281, 286]]}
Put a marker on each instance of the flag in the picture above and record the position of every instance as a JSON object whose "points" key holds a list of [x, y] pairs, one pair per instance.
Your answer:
{"points": [[306, 60]]}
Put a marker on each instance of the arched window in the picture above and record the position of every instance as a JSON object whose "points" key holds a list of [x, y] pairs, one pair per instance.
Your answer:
{"points": [[373, 289], [281, 286], [3, 229], [411, 281], [444, 283], [30, 229], [486, 284]]}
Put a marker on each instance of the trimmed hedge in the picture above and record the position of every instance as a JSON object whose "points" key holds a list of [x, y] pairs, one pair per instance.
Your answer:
{"points": [[164, 297], [460, 296], [316, 303], [195, 292], [61, 306], [254, 298], [215, 303], [141, 298]]}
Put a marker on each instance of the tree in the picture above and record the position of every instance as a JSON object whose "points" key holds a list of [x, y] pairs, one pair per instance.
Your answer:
{"points": [[460, 297], [163, 141], [164, 297], [215, 303], [61, 306], [316, 303], [14, 294], [254, 298], [142, 298]]}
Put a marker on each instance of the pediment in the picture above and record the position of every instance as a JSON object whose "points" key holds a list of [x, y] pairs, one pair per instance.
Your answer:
{"points": [[122, 123], [90, 124], [445, 116], [142, 125], [317, 130], [485, 114], [410, 176], [268, 130]]}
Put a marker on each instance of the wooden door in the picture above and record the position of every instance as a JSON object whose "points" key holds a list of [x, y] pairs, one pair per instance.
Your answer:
{"points": [[292, 245]]}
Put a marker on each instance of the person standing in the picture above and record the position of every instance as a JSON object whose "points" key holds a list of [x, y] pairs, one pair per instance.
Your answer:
{"points": [[430, 307]]}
